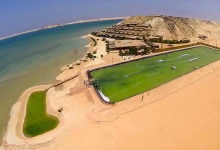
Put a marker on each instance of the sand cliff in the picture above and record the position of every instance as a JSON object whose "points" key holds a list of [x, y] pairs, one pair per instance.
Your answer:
{"points": [[172, 27]]}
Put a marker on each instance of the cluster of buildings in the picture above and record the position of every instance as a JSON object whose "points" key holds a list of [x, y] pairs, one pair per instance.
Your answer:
{"points": [[126, 31], [126, 35]]}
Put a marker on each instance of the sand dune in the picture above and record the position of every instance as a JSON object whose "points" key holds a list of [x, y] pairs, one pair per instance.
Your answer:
{"points": [[172, 27]]}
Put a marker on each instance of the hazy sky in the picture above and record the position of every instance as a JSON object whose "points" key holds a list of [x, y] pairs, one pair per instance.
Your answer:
{"points": [[21, 15]]}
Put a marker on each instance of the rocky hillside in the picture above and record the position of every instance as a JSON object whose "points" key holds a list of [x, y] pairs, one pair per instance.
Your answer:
{"points": [[177, 27]]}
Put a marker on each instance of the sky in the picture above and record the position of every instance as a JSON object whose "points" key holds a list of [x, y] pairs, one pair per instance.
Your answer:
{"points": [[22, 15]]}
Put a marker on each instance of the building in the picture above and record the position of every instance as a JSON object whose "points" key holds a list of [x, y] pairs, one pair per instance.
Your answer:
{"points": [[153, 37], [151, 44], [126, 44]]}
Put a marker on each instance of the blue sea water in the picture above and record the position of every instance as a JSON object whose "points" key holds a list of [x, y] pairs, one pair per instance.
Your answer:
{"points": [[36, 58]]}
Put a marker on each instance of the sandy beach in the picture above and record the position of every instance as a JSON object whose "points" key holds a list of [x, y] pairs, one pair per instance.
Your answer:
{"points": [[181, 114], [99, 19], [19, 34]]}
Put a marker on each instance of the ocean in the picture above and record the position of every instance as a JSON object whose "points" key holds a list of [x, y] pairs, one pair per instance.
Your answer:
{"points": [[35, 58]]}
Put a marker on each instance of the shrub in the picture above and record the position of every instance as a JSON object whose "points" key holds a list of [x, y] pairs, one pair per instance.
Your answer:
{"points": [[121, 53], [170, 41], [90, 55], [107, 48], [95, 51], [184, 46], [146, 51], [126, 53], [133, 50], [95, 43], [94, 33]]}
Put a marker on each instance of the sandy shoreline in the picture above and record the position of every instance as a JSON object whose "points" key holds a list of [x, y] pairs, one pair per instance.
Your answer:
{"points": [[15, 125], [75, 22], [99, 19], [3, 38], [172, 116]]}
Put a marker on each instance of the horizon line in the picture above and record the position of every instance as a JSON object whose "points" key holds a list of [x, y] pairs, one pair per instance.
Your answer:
{"points": [[84, 21], [69, 23]]}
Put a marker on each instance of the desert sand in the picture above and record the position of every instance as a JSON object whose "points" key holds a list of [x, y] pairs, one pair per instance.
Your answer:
{"points": [[172, 27], [182, 114]]}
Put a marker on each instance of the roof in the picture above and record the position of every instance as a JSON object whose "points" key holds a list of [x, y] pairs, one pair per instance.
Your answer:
{"points": [[131, 23], [111, 42], [145, 25], [151, 44], [153, 37], [141, 50], [127, 43]]}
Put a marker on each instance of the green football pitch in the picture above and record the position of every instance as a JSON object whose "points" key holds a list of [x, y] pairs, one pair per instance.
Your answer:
{"points": [[125, 80]]}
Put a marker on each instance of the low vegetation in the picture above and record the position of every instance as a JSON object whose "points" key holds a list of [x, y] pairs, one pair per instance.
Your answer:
{"points": [[37, 121], [90, 55], [173, 48], [134, 51], [184, 46], [107, 46], [94, 41], [94, 33], [160, 40]]}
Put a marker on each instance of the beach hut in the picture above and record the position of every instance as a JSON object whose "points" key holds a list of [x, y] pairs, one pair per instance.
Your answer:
{"points": [[70, 66], [78, 62], [85, 59]]}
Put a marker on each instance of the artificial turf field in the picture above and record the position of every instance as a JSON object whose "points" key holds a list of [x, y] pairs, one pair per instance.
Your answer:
{"points": [[126, 80], [37, 121]]}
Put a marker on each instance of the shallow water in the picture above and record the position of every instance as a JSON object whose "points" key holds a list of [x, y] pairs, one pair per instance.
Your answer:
{"points": [[36, 58]]}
